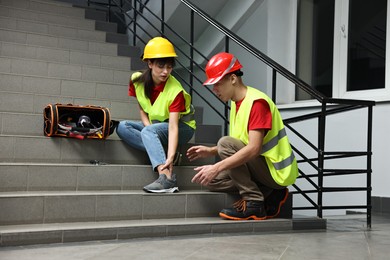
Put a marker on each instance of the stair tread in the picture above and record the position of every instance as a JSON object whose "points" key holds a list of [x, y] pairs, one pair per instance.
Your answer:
{"points": [[128, 223], [13, 194]]}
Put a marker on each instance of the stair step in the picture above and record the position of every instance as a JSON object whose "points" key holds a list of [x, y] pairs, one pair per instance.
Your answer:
{"points": [[35, 103], [30, 177], [130, 229], [11, 124], [51, 7], [39, 207], [30, 67], [117, 38], [33, 149], [208, 133], [64, 56], [78, 20], [26, 26], [57, 88], [48, 17], [44, 40], [67, 150], [106, 26], [94, 14]]}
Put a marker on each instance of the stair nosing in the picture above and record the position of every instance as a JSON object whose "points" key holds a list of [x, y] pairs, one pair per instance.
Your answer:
{"points": [[4, 229], [73, 193]]}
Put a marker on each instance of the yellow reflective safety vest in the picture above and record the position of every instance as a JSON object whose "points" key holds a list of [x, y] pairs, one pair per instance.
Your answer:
{"points": [[276, 147], [159, 111]]}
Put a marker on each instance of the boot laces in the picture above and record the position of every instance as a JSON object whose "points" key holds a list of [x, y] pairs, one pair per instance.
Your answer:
{"points": [[240, 205]]}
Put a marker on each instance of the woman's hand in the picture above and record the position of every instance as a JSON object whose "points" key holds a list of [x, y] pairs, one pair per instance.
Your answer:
{"points": [[168, 164]]}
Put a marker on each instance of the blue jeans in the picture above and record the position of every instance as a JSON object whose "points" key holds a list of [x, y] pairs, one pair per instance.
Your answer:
{"points": [[152, 138]]}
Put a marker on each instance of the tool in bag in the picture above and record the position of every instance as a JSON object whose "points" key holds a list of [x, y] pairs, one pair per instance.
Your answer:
{"points": [[77, 121]]}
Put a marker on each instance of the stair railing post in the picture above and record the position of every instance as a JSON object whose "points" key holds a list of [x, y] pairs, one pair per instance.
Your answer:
{"points": [[134, 22], [321, 150], [369, 165], [274, 85], [226, 104], [109, 10], [192, 39], [162, 16]]}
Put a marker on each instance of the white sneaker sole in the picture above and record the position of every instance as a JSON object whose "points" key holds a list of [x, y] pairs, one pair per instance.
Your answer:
{"points": [[170, 190]]}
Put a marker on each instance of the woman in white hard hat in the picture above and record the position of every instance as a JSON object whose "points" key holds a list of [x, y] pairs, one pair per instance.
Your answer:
{"points": [[167, 116]]}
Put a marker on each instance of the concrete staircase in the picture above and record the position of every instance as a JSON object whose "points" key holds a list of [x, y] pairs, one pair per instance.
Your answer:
{"points": [[49, 192]]}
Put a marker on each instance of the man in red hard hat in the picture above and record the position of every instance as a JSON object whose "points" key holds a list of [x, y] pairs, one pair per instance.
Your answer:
{"points": [[256, 158]]}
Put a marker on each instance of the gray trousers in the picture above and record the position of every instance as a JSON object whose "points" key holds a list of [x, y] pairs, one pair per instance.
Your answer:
{"points": [[252, 180]]}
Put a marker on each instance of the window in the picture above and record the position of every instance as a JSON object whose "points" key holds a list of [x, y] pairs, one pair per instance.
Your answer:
{"points": [[315, 45], [341, 48], [366, 45]]}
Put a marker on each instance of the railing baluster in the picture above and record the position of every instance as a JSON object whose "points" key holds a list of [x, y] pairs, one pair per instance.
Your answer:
{"points": [[109, 10], [192, 39], [226, 125], [274, 85], [162, 17], [135, 22], [321, 150], [369, 166]]}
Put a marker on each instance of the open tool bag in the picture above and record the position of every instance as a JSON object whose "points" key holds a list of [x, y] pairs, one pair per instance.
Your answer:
{"points": [[76, 121]]}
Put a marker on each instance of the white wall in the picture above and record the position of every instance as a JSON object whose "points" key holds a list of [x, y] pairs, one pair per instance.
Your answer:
{"points": [[381, 151]]}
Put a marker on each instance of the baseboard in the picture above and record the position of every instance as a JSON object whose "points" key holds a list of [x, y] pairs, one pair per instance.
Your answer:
{"points": [[380, 204]]}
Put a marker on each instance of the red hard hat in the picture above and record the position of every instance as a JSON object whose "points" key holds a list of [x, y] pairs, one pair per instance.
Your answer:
{"points": [[220, 65]]}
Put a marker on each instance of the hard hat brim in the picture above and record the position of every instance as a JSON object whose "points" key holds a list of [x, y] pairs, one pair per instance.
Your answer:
{"points": [[212, 81], [169, 55]]}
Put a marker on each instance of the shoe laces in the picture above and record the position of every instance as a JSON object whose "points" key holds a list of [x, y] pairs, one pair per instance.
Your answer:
{"points": [[240, 205]]}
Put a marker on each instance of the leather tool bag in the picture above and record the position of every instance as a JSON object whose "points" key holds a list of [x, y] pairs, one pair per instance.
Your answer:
{"points": [[77, 121]]}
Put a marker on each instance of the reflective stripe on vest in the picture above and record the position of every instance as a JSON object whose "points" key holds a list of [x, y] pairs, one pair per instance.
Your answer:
{"points": [[274, 141], [286, 162]]}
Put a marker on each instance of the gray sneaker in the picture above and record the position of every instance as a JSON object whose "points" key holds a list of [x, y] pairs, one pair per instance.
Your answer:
{"points": [[162, 185]]}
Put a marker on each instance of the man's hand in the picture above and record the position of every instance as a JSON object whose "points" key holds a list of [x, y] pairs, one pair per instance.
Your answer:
{"points": [[199, 151], [205, 174]]}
